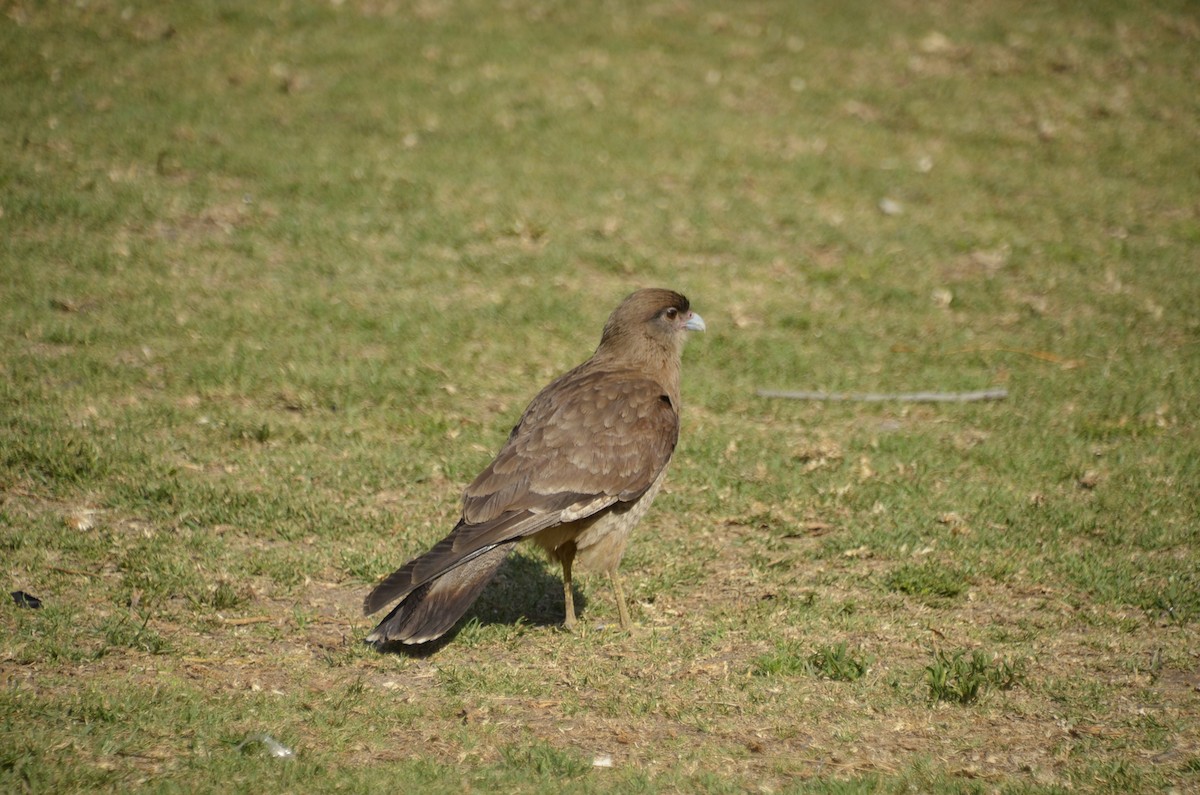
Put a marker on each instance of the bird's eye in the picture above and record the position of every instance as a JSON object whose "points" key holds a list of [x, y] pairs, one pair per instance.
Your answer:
{"points": [[672, 313]]}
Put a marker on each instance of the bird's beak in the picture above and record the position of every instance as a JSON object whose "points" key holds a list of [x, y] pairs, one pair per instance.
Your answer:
{"points": [[694, 323]]}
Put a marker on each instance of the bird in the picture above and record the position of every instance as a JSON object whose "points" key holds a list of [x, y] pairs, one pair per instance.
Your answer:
{"points": [[577, 473]]}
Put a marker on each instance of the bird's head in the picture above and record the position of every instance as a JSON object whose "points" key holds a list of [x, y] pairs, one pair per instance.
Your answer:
{"points": [[651, 319]]}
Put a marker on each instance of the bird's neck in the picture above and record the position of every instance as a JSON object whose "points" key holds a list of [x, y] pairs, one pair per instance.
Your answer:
{"points": [[658, 362]]}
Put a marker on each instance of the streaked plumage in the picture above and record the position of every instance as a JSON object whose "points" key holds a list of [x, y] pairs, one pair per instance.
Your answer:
{"points": [[578, 472]]}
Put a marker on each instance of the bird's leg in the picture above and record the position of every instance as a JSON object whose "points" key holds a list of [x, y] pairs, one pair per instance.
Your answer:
{"points": [[622, 610], [566, 556]]}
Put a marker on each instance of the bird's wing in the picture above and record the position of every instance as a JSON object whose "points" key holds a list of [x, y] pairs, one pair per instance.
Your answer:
{"points": [[593, 436], [590, 439]]}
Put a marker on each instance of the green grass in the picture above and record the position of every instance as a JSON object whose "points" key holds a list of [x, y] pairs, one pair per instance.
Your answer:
{"points": [[835, 662], [928, 581], [277, 279], [962, 679]]}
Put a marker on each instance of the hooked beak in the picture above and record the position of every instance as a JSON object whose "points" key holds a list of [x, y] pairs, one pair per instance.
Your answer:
{"points": [[694, 323]]}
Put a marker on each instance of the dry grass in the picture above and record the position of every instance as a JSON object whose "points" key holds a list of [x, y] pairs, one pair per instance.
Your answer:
{"points": [[277, 279]]}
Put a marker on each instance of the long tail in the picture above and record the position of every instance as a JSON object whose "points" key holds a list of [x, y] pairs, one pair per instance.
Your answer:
{"points": [[430, 610]]}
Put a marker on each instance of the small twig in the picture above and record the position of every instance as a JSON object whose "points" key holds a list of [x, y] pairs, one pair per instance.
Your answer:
{"points": [[901, 397], [76, 572], [241, 622]]}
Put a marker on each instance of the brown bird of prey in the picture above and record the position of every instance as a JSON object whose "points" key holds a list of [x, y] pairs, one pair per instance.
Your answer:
{"points": [[576, 475]]}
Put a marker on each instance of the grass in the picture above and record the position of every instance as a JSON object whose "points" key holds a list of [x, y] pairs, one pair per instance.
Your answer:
{"points": [[928, 581], [277, 279], [835, 662], [961, 679]]}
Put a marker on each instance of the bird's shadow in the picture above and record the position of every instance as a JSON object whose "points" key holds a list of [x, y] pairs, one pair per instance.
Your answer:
{"points": [[526, 590]]}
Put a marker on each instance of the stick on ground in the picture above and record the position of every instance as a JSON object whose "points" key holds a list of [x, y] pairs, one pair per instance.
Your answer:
{"points": [[902, 397]]}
